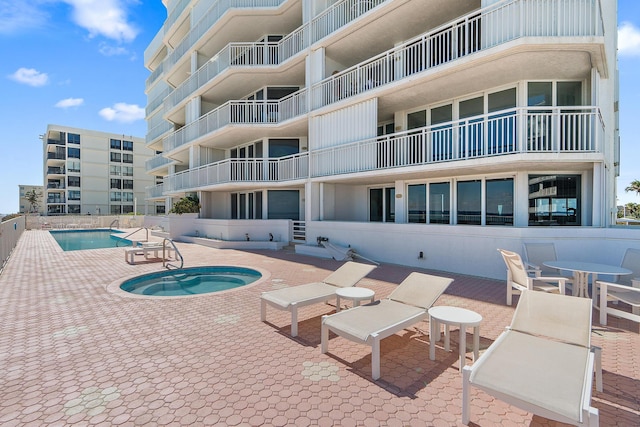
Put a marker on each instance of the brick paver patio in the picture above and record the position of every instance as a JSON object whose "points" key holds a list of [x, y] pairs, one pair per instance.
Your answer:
{"points": [[74, 352]]}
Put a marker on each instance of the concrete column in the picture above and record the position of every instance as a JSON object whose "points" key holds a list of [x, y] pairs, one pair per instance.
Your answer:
{"points": [[401, 202]]}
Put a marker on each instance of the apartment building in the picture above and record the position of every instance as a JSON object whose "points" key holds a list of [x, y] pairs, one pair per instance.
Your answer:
{"points": [[25, 201], [411, 130], [92, 172]]}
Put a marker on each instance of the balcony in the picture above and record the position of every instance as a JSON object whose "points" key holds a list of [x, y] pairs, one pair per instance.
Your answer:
{"points": [[240, 112], [55, 171], [154, 191], [207, 21], [154, 47], [158, 131], [56, 156], [156, 162], [241, 170], [514, 131], [55, 200], [476, 32], [339, 15]]}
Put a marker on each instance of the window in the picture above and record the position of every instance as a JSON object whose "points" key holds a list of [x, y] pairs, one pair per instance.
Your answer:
{"points": [[442, 136], [417, 199], [116, 144], [116, 183], [501, 126], [116, 209], [73, 138], [127, 197], [127, 171], [283, 147], [73, 166], [439, 203], [73, 181], [469, 202], [127, 158], [127, 209], [74, 195], [386, 129], [73, 209], [114, 157], [382, 204], [160, 209], [127, 145], [283, 204], [73, 153], [246, 205], [115, 196], [114, 170], [499, 201], [554, 199], [127, 184]]}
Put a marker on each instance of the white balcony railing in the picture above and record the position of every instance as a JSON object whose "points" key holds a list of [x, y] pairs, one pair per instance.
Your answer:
{"points": [[157, 131], [213, 14], [514, 131], [156, 161], [174, 13], [154, 191], [477, 31], [156, 98], [339, 15], [153, 77], [239, 112], [241, 170], [154, 46]]}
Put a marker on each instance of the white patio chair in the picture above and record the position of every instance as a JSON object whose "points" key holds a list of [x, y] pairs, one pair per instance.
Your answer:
{"points": [[536, 254], [543, 363], [630, 261], [518, 279], [619, 293]]}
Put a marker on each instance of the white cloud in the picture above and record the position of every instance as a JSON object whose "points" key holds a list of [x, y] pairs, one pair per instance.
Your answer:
{"points": [[69, 102], [628, 39], [30, 76], [123, 113], [107, 50], [106, 18], [21, 16]]}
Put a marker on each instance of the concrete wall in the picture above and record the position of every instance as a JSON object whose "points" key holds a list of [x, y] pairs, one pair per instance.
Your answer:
{"points": [[469, 249]]}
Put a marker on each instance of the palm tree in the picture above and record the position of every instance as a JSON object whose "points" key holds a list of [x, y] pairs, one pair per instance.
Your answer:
{"points": [[634, 186], [33, 197]]}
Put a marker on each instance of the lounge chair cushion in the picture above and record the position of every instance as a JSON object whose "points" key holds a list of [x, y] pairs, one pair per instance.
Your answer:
{"points": [[537, 370], [420, 290], [308, 293], [362, 322], [348, 276]]}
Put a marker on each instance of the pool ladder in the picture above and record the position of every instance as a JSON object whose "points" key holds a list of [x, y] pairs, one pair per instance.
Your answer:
{"points": [[166, 264], [146, 239]]}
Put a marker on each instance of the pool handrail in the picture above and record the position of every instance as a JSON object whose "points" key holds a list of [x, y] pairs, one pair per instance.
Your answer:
{"points": [[133, 232], [177, 252], [115, 221]]}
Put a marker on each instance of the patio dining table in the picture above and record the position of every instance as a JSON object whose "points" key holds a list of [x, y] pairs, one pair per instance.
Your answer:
{"points": [[581, 271]]}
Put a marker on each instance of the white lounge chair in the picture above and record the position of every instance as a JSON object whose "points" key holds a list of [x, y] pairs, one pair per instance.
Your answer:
{"points": [[368, 324], [619, 293], [543, 363], [295, 297], [518, 279]]}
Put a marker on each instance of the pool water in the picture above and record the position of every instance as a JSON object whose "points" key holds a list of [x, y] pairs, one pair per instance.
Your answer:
{"points": [[77, 240], [190, 281]]}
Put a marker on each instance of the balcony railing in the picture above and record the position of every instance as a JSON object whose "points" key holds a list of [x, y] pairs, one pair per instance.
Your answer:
{"points": [[56, 156], [154, 46], [55, 171], [55, 186], [241, 170], [158, 130], [340, 14], [57, 200], [475, 32], [154, 76], [239, 112], [514, 131], [213, 14], [157, 161], [156, 99], [154, 191]]}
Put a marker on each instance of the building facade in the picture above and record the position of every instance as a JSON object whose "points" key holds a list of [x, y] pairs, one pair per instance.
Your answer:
{"points": [[92, 172], [407, 123], [25, 200]]}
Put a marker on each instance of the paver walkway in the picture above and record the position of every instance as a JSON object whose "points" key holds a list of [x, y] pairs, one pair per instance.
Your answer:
{"points": [[74, 352]]}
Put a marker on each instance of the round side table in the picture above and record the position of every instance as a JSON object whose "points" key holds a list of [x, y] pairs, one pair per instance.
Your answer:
{"points": [[455, 316], [354, 294]]}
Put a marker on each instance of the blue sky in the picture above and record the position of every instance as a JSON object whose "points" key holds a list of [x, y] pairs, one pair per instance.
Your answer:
{"points": [[80, 63]]}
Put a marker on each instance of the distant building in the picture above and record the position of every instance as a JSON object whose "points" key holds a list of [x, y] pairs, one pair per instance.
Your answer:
{"points": [[92, 172], [25, 205]]}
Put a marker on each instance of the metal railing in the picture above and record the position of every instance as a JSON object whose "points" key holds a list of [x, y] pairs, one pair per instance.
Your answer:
{"points": [[239, 112], [177, 252], [157, 131], [475, 32], [10, 232], [240, 170], [122, 239], [513, 131], [154, 191], [157, 161], [298, 231], [340, 14]]}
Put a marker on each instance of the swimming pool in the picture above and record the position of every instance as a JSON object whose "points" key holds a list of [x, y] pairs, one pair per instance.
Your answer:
{"points": [[190, 281], [77, 240]]}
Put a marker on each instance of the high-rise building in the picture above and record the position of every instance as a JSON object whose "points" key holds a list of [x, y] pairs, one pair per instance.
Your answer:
{"points": [[403, 122], [28, 203], [91, 172]]}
